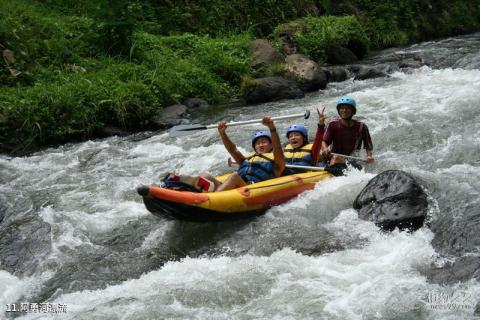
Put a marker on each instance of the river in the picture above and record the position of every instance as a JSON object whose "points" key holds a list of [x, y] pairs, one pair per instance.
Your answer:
{"points": [[75, 237]]}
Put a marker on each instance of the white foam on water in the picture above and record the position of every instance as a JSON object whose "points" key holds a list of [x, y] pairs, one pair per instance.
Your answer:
{"points": [[11, 289], [380, 279], [64, 232], [154, 237], [424, 95], [327, 198], [189, 161], [16, 290]]}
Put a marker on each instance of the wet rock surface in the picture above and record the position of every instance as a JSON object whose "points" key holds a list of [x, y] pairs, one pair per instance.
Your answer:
{"points": [[306, 72], [264, 53], [168, 117], [340, 55], [336, 74], [393, 199]]}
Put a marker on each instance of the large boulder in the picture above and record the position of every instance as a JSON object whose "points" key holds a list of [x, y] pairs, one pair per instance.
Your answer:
{"points": [[340, 55], [306, 72], [393, 199], [270, 89], [264, 54]]}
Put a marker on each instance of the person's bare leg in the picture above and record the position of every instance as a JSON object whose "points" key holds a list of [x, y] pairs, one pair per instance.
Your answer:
{"points": [[208, 176], [234, 181]]}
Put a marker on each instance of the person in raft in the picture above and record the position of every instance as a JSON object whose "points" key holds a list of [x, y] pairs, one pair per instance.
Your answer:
{"points": [[345, 136], [301, 153], [266, 162]]}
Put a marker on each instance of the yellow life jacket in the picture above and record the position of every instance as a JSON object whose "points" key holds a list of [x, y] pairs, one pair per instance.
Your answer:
{"points": [[299, 156]]}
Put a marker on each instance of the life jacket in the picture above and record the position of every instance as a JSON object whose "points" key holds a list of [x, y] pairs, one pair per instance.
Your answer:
{"points": [[298, 156], [257, 167]]}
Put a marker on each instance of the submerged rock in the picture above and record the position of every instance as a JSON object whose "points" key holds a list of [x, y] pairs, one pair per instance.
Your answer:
{"points": [[336, 74], [365, 73], [393, 199]]}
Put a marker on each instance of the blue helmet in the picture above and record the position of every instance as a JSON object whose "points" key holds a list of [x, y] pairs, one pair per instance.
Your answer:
{"points": [[299, 128], [348, 101], [259, 134]]}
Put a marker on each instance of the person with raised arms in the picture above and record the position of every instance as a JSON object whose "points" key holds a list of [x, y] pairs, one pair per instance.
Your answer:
{"points": [[266, 162], [345, 136]]}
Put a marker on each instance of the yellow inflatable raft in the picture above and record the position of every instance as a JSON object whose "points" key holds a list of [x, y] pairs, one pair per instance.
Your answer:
{"points": [[249, 201]]}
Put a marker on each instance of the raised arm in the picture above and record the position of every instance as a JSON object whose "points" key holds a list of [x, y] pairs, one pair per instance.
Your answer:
{"points": [[278, 157], [317, 143], [229, 145]]}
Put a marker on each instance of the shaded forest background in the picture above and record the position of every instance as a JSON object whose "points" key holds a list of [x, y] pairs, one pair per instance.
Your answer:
{"points": [[71, 67]]}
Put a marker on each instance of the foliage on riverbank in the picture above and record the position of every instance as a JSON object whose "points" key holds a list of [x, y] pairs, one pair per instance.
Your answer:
{"points": [[315, 35], [81, 65]]}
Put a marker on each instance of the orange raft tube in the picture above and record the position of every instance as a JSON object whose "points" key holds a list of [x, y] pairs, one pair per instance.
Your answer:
{"points": [[245, 202]]}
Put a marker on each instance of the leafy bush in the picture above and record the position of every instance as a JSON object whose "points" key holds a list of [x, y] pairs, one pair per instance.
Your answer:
{"points": [[189, 65], [315, 35], [40, 37], [49, 113], [219, 17], [381, 21], [73, 104]]}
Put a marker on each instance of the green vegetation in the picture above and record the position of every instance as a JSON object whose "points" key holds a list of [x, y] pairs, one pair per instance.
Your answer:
{"points": [[82, 65], [315, 35]]}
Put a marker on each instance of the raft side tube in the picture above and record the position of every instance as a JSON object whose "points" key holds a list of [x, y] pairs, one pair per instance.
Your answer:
{"points": [[178, 211]]}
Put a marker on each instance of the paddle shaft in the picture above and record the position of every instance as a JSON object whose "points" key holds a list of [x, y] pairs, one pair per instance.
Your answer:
{"points": [[291, 166], [241, 123], [348, 157]]}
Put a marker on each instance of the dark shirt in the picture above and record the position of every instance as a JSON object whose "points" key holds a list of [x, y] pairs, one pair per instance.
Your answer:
{"points": [[344, 138]]}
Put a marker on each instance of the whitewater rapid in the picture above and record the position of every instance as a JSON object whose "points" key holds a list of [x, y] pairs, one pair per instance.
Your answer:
{"points": [[103, 255]]}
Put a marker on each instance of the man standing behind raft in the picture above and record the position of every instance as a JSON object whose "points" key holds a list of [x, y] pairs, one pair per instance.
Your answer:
{"points": [[257, 166], [346, 135]]}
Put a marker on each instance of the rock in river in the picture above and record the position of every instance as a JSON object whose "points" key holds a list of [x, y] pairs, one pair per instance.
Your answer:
{"points": [[393, 199]]}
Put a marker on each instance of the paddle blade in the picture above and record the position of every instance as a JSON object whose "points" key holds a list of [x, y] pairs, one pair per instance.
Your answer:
{"points": [[185, 129]]}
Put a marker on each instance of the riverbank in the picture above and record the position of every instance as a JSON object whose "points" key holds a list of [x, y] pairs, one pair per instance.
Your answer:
{"points": [[69, 72]]}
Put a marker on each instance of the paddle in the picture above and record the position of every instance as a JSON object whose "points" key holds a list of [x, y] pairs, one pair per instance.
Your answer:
{"points": [[348, 157], [182, 130], [292, 166]]}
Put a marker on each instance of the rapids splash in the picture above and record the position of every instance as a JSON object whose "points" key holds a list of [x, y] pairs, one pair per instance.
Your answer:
{"points": [[74, 233]]}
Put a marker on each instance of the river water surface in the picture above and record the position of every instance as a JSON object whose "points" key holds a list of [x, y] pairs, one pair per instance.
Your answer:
{"points": [[74, 232]]}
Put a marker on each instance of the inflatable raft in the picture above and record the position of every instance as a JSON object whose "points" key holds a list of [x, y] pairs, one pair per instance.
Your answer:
{"points": [[245, 202]]}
